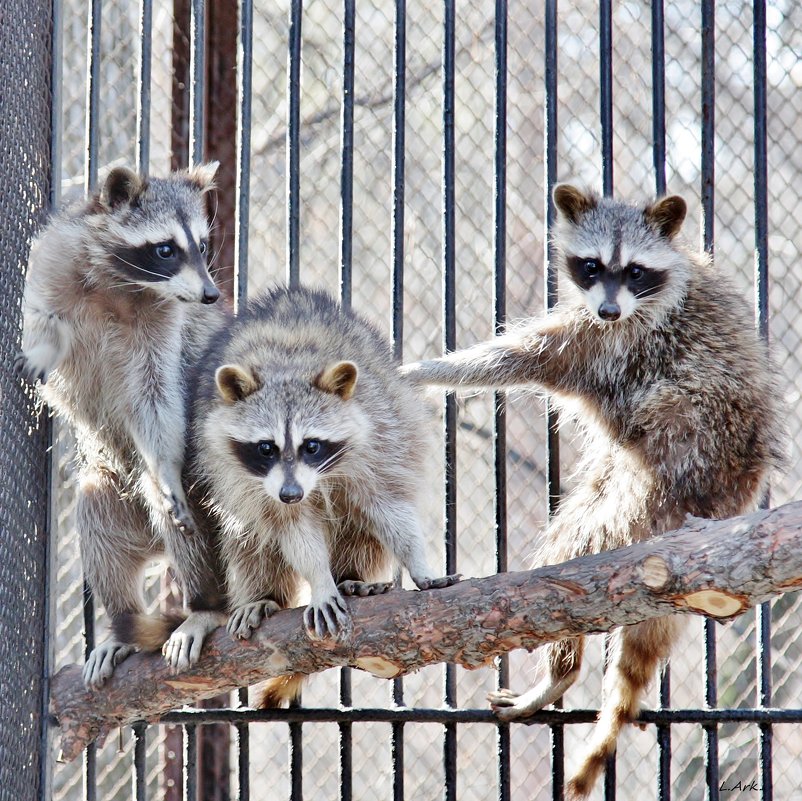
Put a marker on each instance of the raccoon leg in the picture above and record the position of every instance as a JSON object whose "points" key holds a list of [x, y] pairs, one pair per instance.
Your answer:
{"points": [[397, 526], [158, 425], [637, 652], [563, 661], [305, 548], [116, 543], [46, 341]]}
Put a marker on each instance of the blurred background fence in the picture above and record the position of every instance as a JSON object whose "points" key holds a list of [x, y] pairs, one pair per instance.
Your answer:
{"points": [[401, 156]]}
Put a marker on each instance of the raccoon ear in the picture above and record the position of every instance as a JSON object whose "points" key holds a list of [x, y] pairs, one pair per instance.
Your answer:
{"points": [[123, 186], [571, 202], [338, 379], [235, 383], [201, 176], [666, 215]]}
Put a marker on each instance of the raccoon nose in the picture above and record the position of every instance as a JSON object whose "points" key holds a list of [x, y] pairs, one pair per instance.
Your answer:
{"points": [[609, 311], [210, 294], [291, 493]]}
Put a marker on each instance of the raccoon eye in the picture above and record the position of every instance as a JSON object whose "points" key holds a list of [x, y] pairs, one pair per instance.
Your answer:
{"points": [[203, 247], [590, 267], [312, 447], [636, 272], [164, 250], [266, 448]]}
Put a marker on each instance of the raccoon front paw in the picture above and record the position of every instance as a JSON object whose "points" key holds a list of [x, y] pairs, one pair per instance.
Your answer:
{"points": [[101, 662], [28, 370], [179, 512], [329, 618], [245, 619], [426, 583], [352, 589]]}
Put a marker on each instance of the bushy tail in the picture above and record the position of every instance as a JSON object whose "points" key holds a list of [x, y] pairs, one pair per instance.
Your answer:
{"points": [[147, 632], [280, 691], [637, 652]]}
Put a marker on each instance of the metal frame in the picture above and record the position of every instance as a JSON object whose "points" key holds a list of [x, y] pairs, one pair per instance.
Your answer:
{"points": [[450, 715]]}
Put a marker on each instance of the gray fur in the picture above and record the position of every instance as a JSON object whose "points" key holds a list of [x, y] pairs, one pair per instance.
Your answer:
{"points": [[110, 343], [680, 407], [285, 372]]}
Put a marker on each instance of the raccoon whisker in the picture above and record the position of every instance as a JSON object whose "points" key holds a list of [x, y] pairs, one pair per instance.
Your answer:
{"points": [[137, 266]]}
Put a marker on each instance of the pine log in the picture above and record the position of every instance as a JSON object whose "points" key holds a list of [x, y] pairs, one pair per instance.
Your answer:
{"points": [[714, 568]]}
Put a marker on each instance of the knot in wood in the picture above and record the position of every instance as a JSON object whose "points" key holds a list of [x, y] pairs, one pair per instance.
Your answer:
{"points": [[655, 572]]}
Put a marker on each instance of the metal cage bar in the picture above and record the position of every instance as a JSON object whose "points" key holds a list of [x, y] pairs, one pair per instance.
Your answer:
{"points": [[450, 716]]}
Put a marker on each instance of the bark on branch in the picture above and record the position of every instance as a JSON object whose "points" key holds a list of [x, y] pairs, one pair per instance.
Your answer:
{"points": [[714, 568]]}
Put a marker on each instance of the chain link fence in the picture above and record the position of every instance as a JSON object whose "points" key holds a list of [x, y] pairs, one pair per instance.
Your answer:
{"points": [[579, 158]]}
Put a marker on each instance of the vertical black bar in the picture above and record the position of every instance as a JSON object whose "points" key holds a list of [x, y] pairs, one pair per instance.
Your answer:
{"points": [[54, 197], [399, 144], [708, 121], [244, 106], [243, 751], [606, 87], [708, 186], [245, 90], [500, 316], [296, 762], [190, 762], [293, 144], [659, 158], [347, 153], [197, 45], [659, 96], [90, 182], [346, 742], [711, 699], [550, 298], [143, 79], [92, 95], [762, 321], [449, 343], [139, 732], [664, 740]]}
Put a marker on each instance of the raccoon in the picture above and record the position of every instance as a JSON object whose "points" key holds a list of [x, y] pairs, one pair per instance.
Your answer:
{"points": [[656, 358], [310, 451], [116, 305]]}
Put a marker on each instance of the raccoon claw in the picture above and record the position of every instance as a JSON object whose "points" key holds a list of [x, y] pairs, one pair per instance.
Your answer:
{"points": [[327, 619], [181, 651], [352, 589], [179, 513], [437, 583], [101, 662], [245, 619], [25, 369]]}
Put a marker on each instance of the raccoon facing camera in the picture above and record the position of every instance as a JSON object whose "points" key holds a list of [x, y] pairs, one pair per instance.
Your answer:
{"points": [[655, 357]]}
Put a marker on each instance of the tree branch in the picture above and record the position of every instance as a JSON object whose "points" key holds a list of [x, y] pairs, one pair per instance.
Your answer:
{"points": [[714, 568]]}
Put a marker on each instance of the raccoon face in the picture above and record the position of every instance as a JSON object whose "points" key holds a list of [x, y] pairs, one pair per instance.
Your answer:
{"points": [[287, 434], [160, 233], [613, 292], [620, 257]]}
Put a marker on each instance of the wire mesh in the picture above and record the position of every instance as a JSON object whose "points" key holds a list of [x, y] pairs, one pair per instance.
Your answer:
{"points": [[24, 508], [577, 148]]}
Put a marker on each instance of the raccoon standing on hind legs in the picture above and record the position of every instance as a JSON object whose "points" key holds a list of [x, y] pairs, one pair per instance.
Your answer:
{"points": [[656, 358], [116, 306]]}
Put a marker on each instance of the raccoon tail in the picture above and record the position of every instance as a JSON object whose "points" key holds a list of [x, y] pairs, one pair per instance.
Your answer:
{"points": [[147, 632], [280, 691], [637, 652]]}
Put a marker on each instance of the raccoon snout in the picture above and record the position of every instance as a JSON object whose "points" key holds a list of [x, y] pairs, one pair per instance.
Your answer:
{"points": [[210, 294], [291, 493], [609, 311]]}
